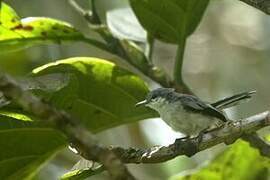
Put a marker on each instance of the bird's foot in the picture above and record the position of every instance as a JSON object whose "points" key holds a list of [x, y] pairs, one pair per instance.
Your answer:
{"points": [[188, 144]]}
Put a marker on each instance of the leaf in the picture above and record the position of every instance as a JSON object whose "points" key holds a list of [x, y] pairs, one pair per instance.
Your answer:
{"points": [[169, 20], [83, 169], [239, 162], [17, 34], [99, 93], [82, 174], [123, 24], [25, 146]]}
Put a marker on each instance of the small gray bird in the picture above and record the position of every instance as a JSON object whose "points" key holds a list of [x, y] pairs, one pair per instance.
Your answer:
{"points": [[188, 114]]}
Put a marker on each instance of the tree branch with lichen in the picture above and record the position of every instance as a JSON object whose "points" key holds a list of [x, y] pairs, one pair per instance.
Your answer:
{"points": [[228, 134], [79, 137]]}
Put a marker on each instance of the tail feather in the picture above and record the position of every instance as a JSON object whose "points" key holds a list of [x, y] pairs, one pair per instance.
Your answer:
{"points": [[233, 100]]}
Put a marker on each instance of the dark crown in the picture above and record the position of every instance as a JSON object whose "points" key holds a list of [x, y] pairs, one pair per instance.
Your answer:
{"points": [[165, 93]]}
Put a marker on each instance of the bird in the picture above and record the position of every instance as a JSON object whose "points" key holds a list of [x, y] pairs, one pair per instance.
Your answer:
{"points": [[188, 114]]}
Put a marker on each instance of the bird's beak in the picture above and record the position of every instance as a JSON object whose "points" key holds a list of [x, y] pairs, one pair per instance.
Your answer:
{"points": [[144, 102]]}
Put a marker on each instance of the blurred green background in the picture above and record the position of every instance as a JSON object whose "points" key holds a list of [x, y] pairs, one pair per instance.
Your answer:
{"points": [[228, 53]]}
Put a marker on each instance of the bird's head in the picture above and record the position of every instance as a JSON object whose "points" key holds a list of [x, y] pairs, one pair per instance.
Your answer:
{"points": [[157, 98]]}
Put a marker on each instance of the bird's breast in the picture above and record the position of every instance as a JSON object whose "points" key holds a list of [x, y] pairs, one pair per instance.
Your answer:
{"points": [[186, 122]]}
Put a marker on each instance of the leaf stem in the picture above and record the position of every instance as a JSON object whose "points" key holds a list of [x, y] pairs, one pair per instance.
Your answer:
{"points": [[149, 48], [178, 64], [178, 67], [95, 16]]}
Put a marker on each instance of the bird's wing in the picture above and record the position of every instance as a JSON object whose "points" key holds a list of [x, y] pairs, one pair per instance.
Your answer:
{"points": [[194, 104]]}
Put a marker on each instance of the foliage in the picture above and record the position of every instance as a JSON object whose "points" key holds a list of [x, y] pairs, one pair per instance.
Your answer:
{"points": [[169, 20], [36, 144], [239, 162], [83, 100], [94, 87], [97, 92], [26, 146], [82, 173], [16, 33]]}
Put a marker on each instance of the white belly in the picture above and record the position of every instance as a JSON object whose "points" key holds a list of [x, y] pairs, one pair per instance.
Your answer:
{"points": [[188, 123]]}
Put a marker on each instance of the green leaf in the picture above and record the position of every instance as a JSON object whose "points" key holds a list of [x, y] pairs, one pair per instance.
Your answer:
{"points": [[16, 33], [83, 169], [169, 20], [239, 162], [25, 146], [82, 174], [99, 93]]}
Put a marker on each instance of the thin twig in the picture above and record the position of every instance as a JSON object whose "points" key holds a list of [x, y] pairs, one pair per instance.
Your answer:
{"points": [[262, 5], [258, 143], [86, 14], [80, 138]]}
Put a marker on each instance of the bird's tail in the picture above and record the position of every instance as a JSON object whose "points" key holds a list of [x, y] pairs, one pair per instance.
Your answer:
{"points": [[233, 100]]}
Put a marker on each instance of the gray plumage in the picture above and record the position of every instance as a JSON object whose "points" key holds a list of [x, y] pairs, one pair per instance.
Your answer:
{"points": [[188, 114]]}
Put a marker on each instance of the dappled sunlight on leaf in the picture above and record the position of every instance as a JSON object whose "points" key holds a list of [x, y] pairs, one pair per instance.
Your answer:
{"points": [[16, 115], [17, 34], [99, 93]]}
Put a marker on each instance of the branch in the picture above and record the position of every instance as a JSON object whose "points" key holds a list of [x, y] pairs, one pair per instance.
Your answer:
{"points": [[80, 138], [262, 5], [228, 134], [256, 142]]}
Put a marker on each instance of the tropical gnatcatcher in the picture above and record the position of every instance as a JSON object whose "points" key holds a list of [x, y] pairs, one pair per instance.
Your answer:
{"points": [[188, 114]]}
